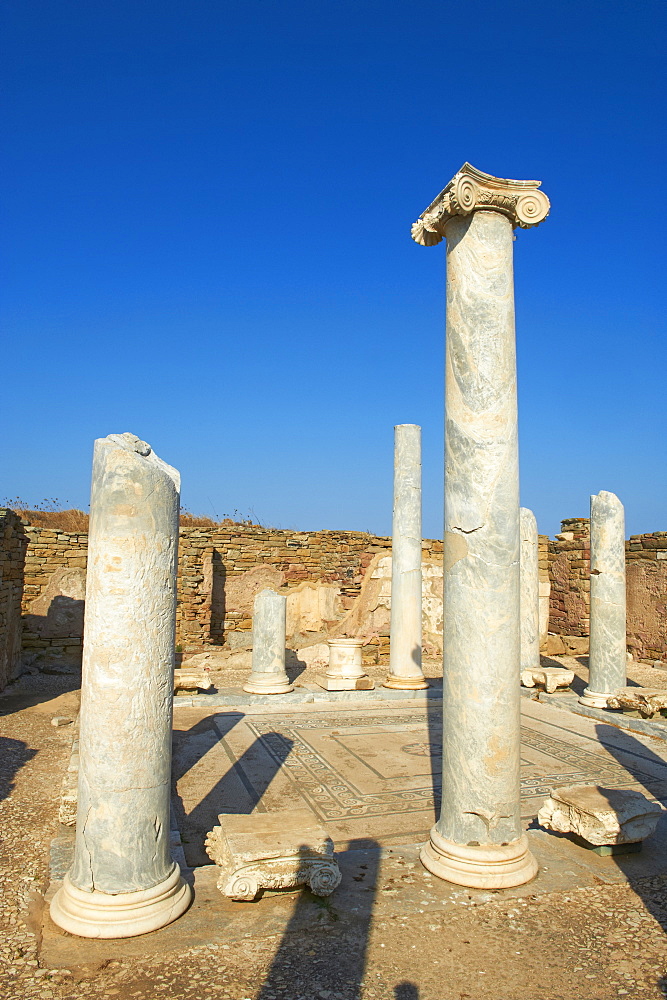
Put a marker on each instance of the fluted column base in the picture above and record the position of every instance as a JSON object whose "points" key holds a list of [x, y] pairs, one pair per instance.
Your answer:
{"points": [[398, 683], [490, 866], [125, 914]]}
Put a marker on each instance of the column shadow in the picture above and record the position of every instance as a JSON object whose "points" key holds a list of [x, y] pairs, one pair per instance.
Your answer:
{"points": [[235, 793], [648, 886], [14, 754], [324, 947]]}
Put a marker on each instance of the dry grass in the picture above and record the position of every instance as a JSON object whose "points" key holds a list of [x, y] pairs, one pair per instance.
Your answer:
{"points": [[76, 521]]}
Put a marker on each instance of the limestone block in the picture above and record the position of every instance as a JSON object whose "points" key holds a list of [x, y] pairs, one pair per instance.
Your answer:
{"points": [[310, 606], [58, 611], [315, 657], [241, 591], [646, 701], [189, 680], [549, 678], [278, 850], [600, 815]]}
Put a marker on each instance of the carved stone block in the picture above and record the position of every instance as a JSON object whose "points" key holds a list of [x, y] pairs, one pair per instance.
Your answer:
{"points": [[279, 850], [646, 701], [192, 680], [600, 816], [549, 678]]}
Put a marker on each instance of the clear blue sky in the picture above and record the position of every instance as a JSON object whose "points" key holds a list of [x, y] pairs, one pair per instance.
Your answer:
{"points": [[207, 242]]}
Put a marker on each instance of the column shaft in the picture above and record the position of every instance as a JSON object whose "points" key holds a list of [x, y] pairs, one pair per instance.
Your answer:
{"points": [[123, 881], [608, 649], [405, 650], [477, 840], [530, 592], [268, 645]]}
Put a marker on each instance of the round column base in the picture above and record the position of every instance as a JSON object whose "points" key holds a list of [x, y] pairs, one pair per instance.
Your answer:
{"points": [[268, 684], [594, 699], [398, 683], [117, 915], [491, 866]]}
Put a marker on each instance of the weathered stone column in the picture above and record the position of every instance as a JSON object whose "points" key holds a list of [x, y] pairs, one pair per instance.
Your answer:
{"points": [[607, 658], [268, 645], [123, 881], [478, 839], [530, 591], [405, 649]]}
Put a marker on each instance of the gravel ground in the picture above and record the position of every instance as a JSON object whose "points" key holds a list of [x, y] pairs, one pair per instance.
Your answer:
{"points": [[598, 943]]}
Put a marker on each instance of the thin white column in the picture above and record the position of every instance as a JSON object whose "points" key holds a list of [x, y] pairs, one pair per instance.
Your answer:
{"points": [[607, 659], [530, 592], [478, 840], [268, 645], [123, 881], [405, 649]]}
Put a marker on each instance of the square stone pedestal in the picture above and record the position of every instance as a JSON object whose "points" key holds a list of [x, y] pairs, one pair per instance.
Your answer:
{"points": [[278, 850], [345, 683]]}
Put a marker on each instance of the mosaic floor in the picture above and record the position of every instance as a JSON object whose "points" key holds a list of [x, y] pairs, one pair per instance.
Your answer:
{"points": [[375, 776]]}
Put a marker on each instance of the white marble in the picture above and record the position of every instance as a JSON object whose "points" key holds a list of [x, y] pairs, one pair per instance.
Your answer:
{"points": [[646, 701], [345, 671], [268, 674], [478, 840], [607, 659], [277, 850], [530, 591], [123, 881], [405, 649], [549, 678], [602, 816], [191, 680]]}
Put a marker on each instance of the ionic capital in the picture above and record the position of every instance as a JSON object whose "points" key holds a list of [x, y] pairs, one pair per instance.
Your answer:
{"points": [[471, 190]]}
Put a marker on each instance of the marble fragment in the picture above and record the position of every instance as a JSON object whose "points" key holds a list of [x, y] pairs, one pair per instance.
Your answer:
{"points": [[647, 701], [549, 678], [190, 680], [277, 850], [601, 816]]}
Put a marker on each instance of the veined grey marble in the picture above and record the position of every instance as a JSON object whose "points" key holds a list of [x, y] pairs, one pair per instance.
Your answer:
{"points": [[530, 592], [607, 661], [478, 839], [123, 881], [268, 645], [405, 649]]}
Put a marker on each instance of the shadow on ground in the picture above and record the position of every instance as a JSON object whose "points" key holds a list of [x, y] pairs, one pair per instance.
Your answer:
{"points": [[326, 955]]}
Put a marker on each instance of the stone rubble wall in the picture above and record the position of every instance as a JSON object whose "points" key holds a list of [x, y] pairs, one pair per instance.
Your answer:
{"points": [[336, 583], [13, 545]]}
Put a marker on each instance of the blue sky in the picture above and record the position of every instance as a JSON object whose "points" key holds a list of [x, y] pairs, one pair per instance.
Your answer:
{"points": [[207, 242]]}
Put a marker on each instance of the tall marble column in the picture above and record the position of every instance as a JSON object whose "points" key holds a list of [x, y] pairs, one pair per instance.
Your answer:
{"points": [[405, 649], [530, 591], [607, 658], [478, 839], [123, 881], [268, 645]]}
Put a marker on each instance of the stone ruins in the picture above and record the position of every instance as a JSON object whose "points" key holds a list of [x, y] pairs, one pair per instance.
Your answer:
{"points": [[302, 655]]}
